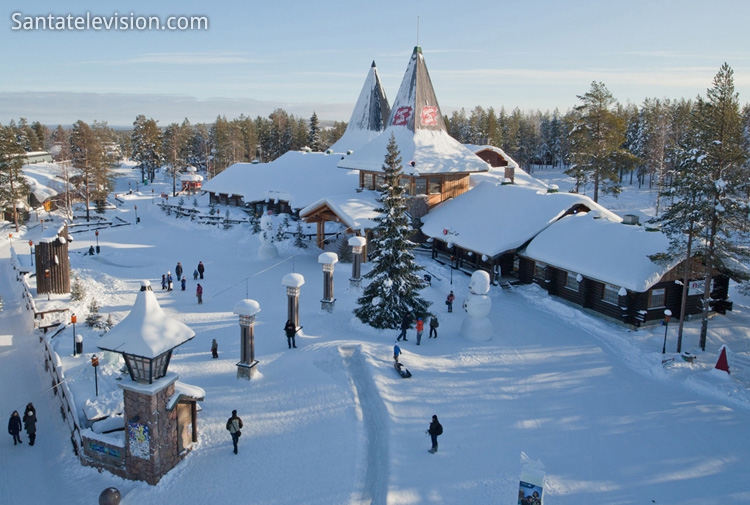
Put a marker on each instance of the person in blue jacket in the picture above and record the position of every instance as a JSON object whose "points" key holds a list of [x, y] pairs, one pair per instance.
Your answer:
{"points": [[396, 352]]}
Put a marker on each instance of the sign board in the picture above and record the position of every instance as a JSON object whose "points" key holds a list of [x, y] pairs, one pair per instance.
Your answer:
{"points": [[531, 487]]}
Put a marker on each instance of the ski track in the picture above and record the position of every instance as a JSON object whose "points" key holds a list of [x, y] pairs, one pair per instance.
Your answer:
{"points": [[374, 420]]}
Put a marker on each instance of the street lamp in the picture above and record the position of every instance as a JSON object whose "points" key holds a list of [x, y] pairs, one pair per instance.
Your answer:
{"points": [[46, 277], [97, 241], [95, 364], [73, 320], [31, 252], [667, 315], [136, 214]]}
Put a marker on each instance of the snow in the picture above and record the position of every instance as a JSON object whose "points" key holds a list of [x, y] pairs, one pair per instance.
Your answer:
{"points": [[518, 213], [332, 423], [246, 308], [293, 280], [328, 258]]}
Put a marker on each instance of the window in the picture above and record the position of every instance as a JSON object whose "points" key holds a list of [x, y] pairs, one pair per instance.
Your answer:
{"points": [[657, 298], [421, 186], [611, 294], [368, 181], [379, 181], [406, 184], [434, 185], [571, 282], [540, 269]]}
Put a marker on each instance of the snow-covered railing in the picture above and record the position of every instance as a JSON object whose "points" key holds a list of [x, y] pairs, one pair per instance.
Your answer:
{"points": [[22, 287], [53, 366], [739, 365]]}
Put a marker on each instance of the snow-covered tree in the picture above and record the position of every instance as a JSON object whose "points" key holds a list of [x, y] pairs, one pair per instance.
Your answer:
{"points": [[313, 136], [394, 285], [13, 185], [88, 158], [146, 146]]}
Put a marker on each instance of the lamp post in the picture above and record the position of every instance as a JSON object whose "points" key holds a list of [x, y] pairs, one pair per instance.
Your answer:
{"points": [[97, 241], [451, 270], [73, 320], [10, 237], [46, 278], [95, 364], [136, 214], [31, 252], [667, 315]]}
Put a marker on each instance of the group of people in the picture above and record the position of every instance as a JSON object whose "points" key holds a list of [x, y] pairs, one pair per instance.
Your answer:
{"points": [[168, 284], [28, 423]]}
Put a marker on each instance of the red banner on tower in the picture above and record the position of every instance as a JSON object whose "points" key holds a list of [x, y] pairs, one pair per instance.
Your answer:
{"points": [[429, 115]]}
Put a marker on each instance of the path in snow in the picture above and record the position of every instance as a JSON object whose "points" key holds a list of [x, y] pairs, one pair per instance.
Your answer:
{"points": [[374, 420]]}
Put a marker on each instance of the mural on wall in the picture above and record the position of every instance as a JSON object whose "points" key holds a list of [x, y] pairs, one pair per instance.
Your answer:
{"points": [[139, 440]]}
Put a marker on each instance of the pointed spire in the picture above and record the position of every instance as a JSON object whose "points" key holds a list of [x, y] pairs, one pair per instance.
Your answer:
{"points": [[416, 106], [369, 117], [418, 126]]}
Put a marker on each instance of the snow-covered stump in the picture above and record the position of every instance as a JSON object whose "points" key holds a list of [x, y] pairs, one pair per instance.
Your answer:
{"points": [[477, 326], [293, 283], [247, 310], [357, 244], [328, 260]]}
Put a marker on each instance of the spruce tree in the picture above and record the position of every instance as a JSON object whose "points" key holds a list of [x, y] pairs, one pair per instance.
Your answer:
{"points": [[313, 136], [393, 290], [13, 185]]}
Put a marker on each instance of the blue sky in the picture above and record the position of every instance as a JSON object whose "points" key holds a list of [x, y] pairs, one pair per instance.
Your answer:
{"points": [[306, 56]]}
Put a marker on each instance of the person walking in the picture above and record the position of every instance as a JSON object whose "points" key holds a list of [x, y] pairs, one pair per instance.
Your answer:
{"points": [[290, 331], [163, 281], [420, 329], [201, 269], [234, 426], [195, 275], [434, 431], [170, 284], [396, 351], [434, 323], [449, 301], [29, 424], [14, 427], [214, 349], [178, 270], [199, 294], [405, 323], [183, 283]]}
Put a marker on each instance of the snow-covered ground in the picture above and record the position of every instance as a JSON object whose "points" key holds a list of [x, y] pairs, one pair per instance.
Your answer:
{"points": [[332, 423]]}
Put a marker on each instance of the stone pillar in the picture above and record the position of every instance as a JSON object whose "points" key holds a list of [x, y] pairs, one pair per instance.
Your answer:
{"points": [[293, 283], [150, 429], [247, 310], [328, 260], [357, 244]]}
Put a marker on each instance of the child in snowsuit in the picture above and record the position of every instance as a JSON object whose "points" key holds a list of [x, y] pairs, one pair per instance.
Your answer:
{"points": [[199, 294], [214, 349], [420, 329], [163, 281], [195, 275], [182, 283], [169, 281], [396, 352]]}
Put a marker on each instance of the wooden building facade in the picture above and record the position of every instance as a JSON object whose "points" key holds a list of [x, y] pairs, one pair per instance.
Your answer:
{"points": [[437, 187]]}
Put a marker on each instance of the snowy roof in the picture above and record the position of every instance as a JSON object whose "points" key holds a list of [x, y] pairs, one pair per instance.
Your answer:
{"points": [[183, 390], [417, 124], [328, 258], [369, 117], [299, 178], [293, 280], [492, 218], [603, 250], [191, 177], [147, 331], [357, 211], [43, 180]]}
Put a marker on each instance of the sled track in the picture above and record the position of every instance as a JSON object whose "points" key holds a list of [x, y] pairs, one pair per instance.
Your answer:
{"points": [[374, 489]]}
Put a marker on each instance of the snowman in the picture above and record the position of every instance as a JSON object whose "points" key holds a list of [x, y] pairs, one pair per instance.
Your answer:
{"points": [[267, 248], [477, 325]]}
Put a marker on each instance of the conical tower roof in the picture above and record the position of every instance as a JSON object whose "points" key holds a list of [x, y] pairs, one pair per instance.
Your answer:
{"points": [[369, 117], [418, 126], [147, 331]]}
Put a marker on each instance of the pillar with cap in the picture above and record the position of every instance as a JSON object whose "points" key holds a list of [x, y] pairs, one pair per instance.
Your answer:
{"points": [[293, 283], [247, 310], [357, 244], [328, 260]]}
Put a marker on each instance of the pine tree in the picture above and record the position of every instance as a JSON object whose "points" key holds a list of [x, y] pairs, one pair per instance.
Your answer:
{"points": [[77, 290], [710, 190], [299, 236], [313, 138], [394, 285], [596, 143], [146, 147], [89, 159], [13, 185], [93, 317]]}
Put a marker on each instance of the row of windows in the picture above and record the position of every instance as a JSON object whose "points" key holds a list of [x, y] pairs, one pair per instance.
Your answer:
{"points": [[611, 294], [422, 185]]}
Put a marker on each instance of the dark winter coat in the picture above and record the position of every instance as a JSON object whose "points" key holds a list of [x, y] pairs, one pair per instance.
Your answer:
{"points": [[290, 329], [435, 428], [234, 424], [178, 270], [14, 424], [434, 322], [201, 268], [29, 422], [405, 322]]}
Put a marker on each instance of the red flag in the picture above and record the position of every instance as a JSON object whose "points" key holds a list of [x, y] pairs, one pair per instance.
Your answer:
{"points": [[722, 363]]}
